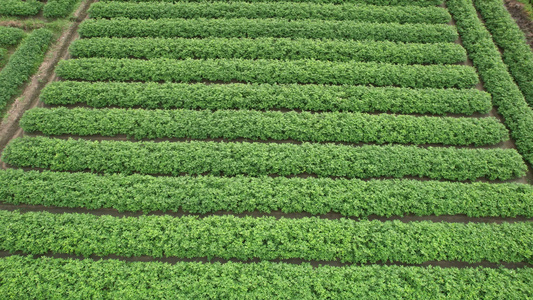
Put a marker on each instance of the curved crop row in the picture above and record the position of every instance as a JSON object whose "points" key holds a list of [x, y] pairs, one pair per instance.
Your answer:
{"points": [[368, 2], [517, 54], [258, 10], [23, 63], [10, 36], [486, 58], [207, 194], [113, 279], [268, 71], [256, 125], [265, 238], [281, 28], [310, 97], [269, 48], [20, 8], [264, 159]]}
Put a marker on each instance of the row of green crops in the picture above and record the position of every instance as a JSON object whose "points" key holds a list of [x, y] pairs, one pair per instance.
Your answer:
{"points": [[265, 96], [58, 8], [486, 58], [10, 36], [270, 48], [256, 125], [258, 10], [113, 279], [265, 238], [268, 71], [205, 194], [23, 63], [263, 159], [368, 2], [254, 28], [516, 51], [20, 8]]}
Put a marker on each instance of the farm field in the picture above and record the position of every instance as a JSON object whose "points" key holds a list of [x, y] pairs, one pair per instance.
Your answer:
{"points": [[254, 149]]}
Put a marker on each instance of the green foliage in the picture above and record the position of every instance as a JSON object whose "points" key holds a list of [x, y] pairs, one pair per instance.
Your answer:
{"points": [[10, 36], [261, 10], [263, 159], [265, 96], [368, 2], [506, 96], [270, 48], [47, 278], [206, 194], [20, 8], [257, 125], [58, 8], [269, 71], [3, 56], [23, 63], [509, 37], [265, 238], [281, 28]]}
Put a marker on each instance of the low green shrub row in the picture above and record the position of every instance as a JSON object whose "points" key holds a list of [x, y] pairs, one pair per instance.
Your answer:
{"points": [[10, 36], [20, 8], [517, 54], [58, 8], [265, 238], [266, 96], [280, 28], [23, 63], [207, 194], [268, 71], [367, 2], [26, 277], [506, 95], [263, 159], [270, 48], [272, 125], [258, 10]]}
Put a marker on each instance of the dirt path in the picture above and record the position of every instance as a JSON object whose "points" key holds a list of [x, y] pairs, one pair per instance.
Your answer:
{"points": [[522, 18]]}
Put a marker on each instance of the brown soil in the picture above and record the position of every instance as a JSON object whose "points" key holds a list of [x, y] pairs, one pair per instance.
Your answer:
{"points": [[522, 18]]}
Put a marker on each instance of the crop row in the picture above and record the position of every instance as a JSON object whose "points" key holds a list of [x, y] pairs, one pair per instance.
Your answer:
{"points": [[270, 48], [258, 10], [23, 63], [10, 36], [265, 96], [207, 194], [265, 238], [268, 71], [368, 2], [497, 81], [20, 8], [263, 159], [510, 38], [58, 8], [113, 279], [281, 28], [3, 56], [272, 125]]}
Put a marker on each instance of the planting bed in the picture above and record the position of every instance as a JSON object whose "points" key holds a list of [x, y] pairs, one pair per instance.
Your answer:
{"points": [[276, 149]]}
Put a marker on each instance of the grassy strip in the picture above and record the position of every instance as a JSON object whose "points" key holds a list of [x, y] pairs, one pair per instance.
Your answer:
{"points": [[113, 279], [270, 48], [281, 28], [23, 63], [266, 238], [205, 194], [10, 36], [517, 54], [256, 125], [263, 159], [268, 71], [20, 8], [258, 10], [368, 2], [497, 81], [58, 8], [265, 96]]}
